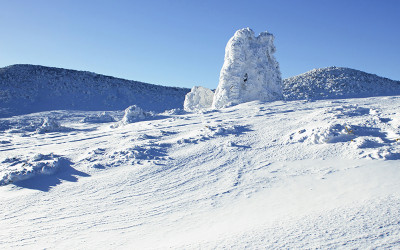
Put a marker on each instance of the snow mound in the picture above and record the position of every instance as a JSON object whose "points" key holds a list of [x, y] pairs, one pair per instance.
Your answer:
{"points": [[104, 117], [335, 83], [332, 134], [250, 71], [133, 114], [51, 125], [27, 89], [198, 98], [21, 168]]}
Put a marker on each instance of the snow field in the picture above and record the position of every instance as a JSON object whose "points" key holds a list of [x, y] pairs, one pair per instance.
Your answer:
{"points": [[281, 174]]}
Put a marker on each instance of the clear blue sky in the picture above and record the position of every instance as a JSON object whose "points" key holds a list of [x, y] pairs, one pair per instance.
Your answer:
{"points": [[182, 42]]}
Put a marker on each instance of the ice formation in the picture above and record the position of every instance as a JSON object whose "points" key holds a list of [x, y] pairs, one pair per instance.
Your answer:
{"points": [[132, 114], [250, 71], [198, 98]]}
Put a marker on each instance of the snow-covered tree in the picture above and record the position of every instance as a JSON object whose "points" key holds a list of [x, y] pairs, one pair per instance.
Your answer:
{"points": [[250, 71], [198, 98]]}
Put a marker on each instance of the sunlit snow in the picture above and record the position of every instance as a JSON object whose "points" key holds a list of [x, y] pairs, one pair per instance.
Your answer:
{"points": [[294, 174]]}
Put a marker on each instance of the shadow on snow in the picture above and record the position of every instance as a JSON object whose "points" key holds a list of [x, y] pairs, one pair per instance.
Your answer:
{"points": [[45, 182]]}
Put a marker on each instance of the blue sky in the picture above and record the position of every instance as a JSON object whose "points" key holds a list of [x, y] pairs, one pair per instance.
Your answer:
{"points": [[182, 42]]}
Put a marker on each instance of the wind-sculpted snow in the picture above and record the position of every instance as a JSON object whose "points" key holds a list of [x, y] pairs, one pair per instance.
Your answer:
{"points": [[198, 98], [29, 88], [250, 71], [370, 133], [335, 83], [282, 174], [99, 118], [21, 168], [50, 125], [132, 114]]}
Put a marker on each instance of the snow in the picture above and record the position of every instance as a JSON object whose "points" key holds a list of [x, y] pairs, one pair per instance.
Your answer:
{"points": [[337, 83], [280, 174], [104, 117], [132, 114], [30, 88], [250, 71], [17, 168], [198, 98], [312, 165], [50, 125]]}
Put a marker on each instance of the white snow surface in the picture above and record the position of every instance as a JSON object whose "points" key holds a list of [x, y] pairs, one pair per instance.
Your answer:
{"points": [[99, 118], [337, 83], [132, 114], [26, 89], [281, 174], [198, 98], [250, 71]]}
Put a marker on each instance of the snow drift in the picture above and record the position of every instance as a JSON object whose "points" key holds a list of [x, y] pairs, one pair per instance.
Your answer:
{"points": [[250, 71]]}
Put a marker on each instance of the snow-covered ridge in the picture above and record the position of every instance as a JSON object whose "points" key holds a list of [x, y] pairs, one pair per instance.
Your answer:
{"points": [[338, 82], [31, 88]]}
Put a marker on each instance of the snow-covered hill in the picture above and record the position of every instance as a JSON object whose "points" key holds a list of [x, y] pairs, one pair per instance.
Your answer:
{"points": [[27, 89], [285, 174], [294, 174], [30, 88], [336, 82]]}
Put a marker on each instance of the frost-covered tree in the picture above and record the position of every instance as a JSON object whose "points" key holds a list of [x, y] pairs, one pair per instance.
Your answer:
{"points": [[198, 98], [250, 71]]}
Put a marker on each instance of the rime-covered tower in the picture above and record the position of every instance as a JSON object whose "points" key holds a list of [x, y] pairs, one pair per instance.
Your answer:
{"points": [[250, 71]]}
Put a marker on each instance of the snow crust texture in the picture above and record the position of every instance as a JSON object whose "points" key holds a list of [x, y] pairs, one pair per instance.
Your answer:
{"points": [[29, 88], [336, 83], [104, 117], [198, 98], [250, 71], [283, 174], [19, 168]]}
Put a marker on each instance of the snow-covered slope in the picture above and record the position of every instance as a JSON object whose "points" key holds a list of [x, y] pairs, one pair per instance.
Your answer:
{"points": [[29, 88], [282, 174], [293, 175], [336, 82]]}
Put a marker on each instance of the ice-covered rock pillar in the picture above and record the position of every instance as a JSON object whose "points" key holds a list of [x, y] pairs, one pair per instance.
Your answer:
{"points": [[250, 71]]}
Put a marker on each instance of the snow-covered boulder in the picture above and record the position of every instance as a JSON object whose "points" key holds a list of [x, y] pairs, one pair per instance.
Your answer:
{"points": [[250, 71], [198, 98]]}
